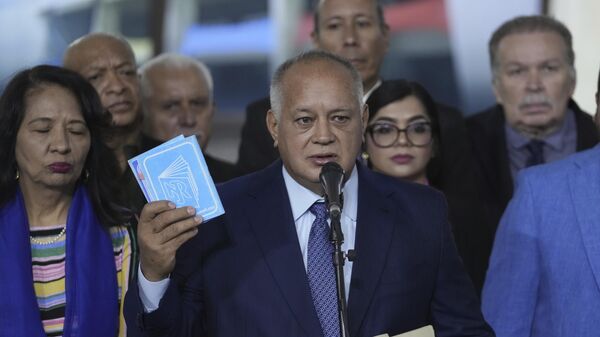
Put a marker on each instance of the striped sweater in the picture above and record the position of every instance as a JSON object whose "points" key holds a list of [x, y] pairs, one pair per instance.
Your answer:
{"points": [[48, 263]]}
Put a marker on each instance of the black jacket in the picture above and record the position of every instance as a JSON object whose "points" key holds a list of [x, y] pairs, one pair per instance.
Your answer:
{"points": [[488, 142]]}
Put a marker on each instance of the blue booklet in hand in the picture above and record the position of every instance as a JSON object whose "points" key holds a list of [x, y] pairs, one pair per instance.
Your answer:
{"points": [[176, 171]]}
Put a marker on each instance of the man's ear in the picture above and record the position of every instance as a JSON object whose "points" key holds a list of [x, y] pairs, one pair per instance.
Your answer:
{"points": [[496, 90], [272, 124], [314, 36], [364, 116]]}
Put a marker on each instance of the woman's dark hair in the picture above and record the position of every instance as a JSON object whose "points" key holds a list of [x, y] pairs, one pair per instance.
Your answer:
{"points": [[397, 90], [101, 163]]}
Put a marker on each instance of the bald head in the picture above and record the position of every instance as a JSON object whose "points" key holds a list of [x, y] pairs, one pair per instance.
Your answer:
{"points": [[108, 63]]}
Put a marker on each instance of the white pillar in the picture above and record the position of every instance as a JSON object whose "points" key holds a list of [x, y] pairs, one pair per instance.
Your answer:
{"points": [[471, 24], [582, 17], [285, 16]]}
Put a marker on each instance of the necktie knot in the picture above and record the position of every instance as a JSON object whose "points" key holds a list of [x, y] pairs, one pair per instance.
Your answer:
{"points": [[535, 148], [319, 210]]}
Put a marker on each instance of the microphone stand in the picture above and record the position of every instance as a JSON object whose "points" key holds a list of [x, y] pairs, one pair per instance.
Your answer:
{"points": [[337, 238]]}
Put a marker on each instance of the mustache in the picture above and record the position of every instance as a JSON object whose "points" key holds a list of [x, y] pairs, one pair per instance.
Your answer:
{"points": [[535, 99]]}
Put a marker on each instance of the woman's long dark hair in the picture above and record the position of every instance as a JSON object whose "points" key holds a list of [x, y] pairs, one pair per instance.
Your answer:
{"points": [[397, 90], [101, 163]]}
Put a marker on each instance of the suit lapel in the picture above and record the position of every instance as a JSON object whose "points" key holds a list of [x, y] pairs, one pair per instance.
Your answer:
{"points": [[273, 226], [373, 236], [584, 184]]}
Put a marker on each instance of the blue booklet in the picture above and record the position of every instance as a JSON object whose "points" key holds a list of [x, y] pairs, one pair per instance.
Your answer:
{"points": [[176, 171]]}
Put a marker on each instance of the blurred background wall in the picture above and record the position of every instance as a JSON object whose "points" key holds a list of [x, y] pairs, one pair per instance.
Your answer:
{"points": [[440, 43]]}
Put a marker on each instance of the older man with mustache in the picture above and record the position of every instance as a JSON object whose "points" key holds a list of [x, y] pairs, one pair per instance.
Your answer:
{"points": [[535, 120]]}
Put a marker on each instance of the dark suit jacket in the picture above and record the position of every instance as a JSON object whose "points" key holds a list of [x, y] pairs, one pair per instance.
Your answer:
{"points": [[488, 141], [243, 274], [451, 173]]}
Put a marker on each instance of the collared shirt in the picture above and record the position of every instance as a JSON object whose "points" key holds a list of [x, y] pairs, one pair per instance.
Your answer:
{"points": [[557, 145], [370, 91], [300, 201], [302, 198]]}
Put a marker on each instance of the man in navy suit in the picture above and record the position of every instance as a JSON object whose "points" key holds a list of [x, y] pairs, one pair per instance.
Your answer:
{"points": [[249, 272]]}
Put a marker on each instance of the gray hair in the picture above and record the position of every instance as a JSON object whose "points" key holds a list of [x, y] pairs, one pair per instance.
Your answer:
{"points": [[308, 57], [531, 24], [176, 61]]}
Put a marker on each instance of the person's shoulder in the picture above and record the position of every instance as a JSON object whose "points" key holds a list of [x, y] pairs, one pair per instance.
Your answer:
{"points": [[397, 188], [249, 183], [491, 113], [557, 171]]}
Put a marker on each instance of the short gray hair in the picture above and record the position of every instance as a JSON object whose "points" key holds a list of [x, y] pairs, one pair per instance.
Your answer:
{"points": [[172, 60], [308, 57], [531, 24]]}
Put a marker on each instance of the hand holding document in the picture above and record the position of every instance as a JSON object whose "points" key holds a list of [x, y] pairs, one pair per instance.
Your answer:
{"points": [[176, 171], [426, 331]]}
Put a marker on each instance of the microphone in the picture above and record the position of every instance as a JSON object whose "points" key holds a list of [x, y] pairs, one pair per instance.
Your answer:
{"points": [[331, 178]]}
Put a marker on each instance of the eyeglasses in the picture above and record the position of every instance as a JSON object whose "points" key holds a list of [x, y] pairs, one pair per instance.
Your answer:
{"points": [[386, 134]]}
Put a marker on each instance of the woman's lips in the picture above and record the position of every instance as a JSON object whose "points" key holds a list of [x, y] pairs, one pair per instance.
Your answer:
{"points": [[60, 167], [402, 159]]}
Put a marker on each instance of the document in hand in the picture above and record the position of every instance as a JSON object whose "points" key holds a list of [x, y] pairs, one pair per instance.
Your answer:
{"points": [[176, 171], [426, 331]]}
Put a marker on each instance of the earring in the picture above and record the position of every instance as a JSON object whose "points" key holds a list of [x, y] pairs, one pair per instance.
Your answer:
{"points": [[86, 175], [364, 155], [17, 175]]}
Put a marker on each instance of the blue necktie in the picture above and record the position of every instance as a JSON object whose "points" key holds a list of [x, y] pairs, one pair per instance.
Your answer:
{"points": [[536, 152], [321, 273]]}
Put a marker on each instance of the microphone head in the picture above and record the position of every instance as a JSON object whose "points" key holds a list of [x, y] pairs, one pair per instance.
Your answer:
{"points": [[331, 168]]}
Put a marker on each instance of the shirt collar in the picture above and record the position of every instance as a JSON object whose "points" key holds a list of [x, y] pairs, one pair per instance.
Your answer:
{"points": [[368, 93], [301, 198]]}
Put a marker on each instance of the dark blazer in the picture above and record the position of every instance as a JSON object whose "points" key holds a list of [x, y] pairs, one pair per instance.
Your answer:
{"points": [[488, 141], [451, 173], [243, 274]]}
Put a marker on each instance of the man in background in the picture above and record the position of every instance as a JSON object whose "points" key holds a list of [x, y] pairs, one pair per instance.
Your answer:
{"points": [[177, 98], [535, 120], [108, 63], [544, 275]]}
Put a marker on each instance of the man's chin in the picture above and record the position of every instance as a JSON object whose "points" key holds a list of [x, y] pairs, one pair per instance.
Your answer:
{"points": [[123, 120], [539, 127]]}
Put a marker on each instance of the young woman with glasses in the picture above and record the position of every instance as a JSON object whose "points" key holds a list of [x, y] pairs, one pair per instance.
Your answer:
{"points": [[403, 131]]}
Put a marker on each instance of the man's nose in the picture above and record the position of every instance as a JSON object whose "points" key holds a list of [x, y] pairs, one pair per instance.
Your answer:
{"points": [[534, 80], [188, 116], [114, 83], [323, 132], [350, 35]]}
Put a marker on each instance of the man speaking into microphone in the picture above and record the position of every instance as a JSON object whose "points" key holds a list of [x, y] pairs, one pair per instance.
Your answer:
{"points": [[265, 268]]}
